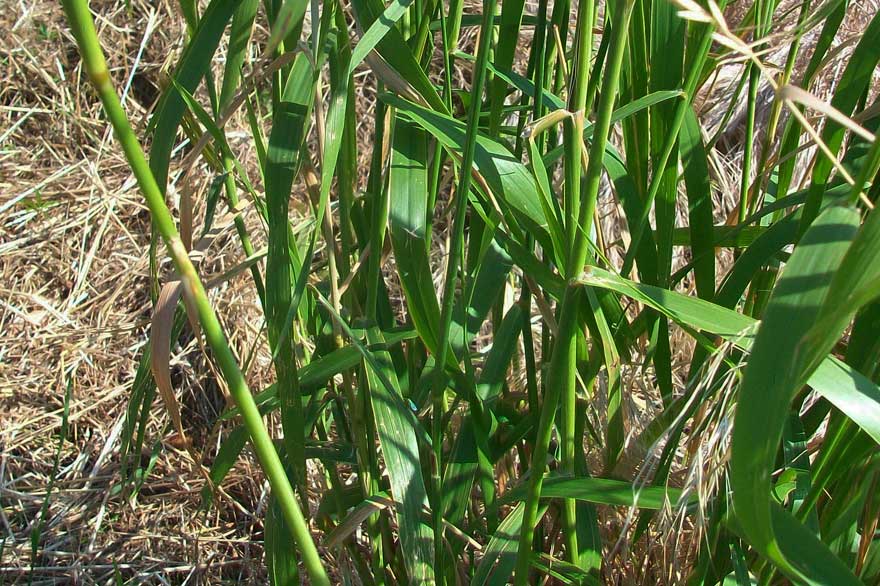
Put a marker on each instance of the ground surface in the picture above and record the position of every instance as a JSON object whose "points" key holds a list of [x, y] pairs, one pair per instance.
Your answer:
{"points": [[75, 308]]}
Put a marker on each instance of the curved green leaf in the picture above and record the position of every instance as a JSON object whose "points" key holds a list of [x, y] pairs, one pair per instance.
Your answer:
{"points": [[507, 178], [191, 68], [843, 386]]}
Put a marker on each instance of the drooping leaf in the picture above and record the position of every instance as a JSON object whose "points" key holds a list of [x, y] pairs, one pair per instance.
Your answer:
{"points": [[507, 178], [843, 386]]}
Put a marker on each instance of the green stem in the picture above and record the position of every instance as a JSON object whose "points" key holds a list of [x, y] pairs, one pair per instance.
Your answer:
{"points": [[538, 46], [574, 128], [763, 11], [748, 146], [243, 236], [379, 202], [84, 30], [559, 377], [690, 87], [453, 261], [573, 133], [376, 238], [776, 112]]}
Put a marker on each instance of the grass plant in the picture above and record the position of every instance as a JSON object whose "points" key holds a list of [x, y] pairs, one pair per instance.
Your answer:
{"points": [[491, 430]]}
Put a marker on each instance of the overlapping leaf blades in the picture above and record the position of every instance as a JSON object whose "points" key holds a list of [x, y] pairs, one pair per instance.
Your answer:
{"points": [[451, 447]]}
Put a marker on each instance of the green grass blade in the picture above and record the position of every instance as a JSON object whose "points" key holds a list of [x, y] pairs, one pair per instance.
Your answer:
{"points": [[459, 473], [601, 491], [699, 192], [287, 22], [223, 462], [397, 55], [627, 193], [239, 37], [398, 432], [408, 194], [509, 179], [489, 272], [621, 114], [193, 66], [763, 249], [856, 79], [40, 521], [377, 31], [854, 285], [334, 126], [280, 557], [505, 49], [87, 39], [494, 372], [289, 126], [690, 83], [846, 388], [791, 135], [771, 378], [499, 556]]}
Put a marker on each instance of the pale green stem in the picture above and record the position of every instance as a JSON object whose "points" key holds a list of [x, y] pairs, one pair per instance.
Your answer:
{"points": [[84, 30], [559, 377], [453, 262]]}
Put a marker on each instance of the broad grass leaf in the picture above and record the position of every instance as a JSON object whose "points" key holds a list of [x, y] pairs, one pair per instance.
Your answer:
{"points": [[769, 244], [499, 556], [322, 368], [286, 22], [239, 37], [775, 371], [853, 286], [399, 432], [459, 474], [505, 344], [281, 559], [395, 53], [407, 218], [289, 127], [489, 272], [398, 440], [504, 52], [377, 31]]}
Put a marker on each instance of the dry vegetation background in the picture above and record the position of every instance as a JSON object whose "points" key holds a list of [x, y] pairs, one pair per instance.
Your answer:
{"points": [[75, 308]]}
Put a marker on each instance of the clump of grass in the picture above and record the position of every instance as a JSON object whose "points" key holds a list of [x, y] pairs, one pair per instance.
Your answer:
{"points": [[468, 484]]}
